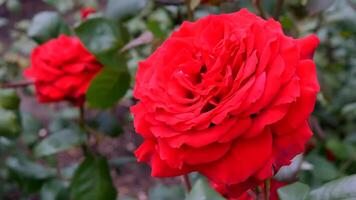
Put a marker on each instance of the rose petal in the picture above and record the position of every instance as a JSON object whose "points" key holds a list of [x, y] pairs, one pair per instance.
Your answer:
{"points": [[287, 146], [307, 46], [233, 168]]}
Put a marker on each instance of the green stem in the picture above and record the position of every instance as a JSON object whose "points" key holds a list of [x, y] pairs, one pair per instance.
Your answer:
{"points": [[82, 117], [278, 8], [82, 126], [259, 8], [170, 2], [186, 182], [20, 84], [189, 10], [258, 193], [267, 189]]}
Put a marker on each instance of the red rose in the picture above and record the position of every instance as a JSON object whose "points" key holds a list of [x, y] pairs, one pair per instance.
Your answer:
{"points": [[227, 96], [252, 194], [62, 70], [85, 12]]}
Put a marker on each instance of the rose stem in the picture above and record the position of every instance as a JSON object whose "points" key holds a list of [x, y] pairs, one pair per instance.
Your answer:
{"points": [[81, 116], [278, 8], [258, 192], [186, 182], [17, 84], [258, 7], [170, 2], [267, 188], [190, 11], [82, 126]]}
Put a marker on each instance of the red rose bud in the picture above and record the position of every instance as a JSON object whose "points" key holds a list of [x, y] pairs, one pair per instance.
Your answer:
{"points": [[330, 155], [62, 70], [227, 96], [85, 12]]}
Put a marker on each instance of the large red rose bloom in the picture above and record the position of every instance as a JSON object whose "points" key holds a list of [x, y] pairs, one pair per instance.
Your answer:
{"points": [[228, 96], [62, 70]]}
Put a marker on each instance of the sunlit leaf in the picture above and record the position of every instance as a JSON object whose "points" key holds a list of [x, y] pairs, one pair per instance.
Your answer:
{"points": [[9, 99], [9, 123]]}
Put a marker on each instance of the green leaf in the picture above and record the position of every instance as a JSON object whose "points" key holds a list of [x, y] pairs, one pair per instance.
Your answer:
{"points": [[54, 190], [343, 188], [202, 191], [295, 191], [59, 141], [121, 9], [92, 180], [107, 88], [47, 25], [288, 173], [62, 5], [287, 22], [99, 35], [122, 160], [9, 99], [156, 29], [163, 192], [3, 21], [58, 124], [104, 38], [113, 59], [68, 172], [30, 128], [323, 170], [69, 114], [29, 175], [107, 123], [13, 5], [9, 123], [339, 149], [29, 169]]}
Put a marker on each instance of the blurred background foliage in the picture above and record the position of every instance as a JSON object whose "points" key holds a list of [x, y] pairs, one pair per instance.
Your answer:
{"points": [[40, 145]]}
